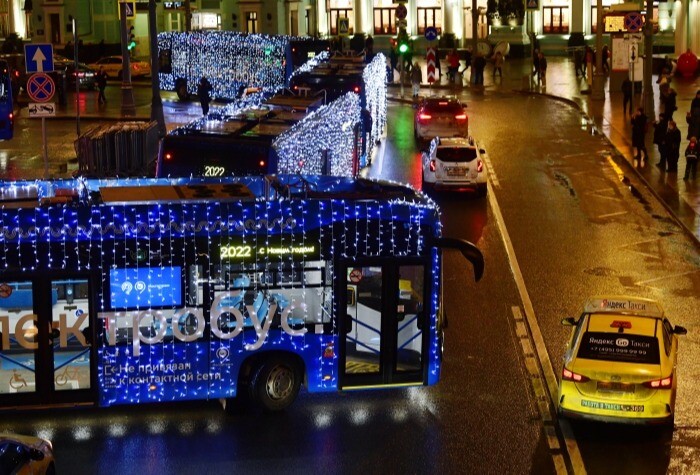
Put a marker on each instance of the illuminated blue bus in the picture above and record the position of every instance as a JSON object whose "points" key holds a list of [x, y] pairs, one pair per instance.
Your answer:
{"points": [[132, 291], [7, 120]]}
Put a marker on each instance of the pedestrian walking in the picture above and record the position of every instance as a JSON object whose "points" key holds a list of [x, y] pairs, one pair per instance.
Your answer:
{"points": [[692, 117], [203, 90], [542, 74], [452, 64], [691, 159], [639, 129], [670, 103], [695, 103], [498, 64], [660, 129], [101, 81], [673, 146], [627, 88], [416, 78], [479, 66]]}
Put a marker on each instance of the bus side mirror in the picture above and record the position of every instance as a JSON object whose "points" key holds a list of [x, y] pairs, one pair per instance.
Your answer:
{"points": [[569, 322], [679, 330], [468, 250], [348, 323], [420, 316], [87, 334]]}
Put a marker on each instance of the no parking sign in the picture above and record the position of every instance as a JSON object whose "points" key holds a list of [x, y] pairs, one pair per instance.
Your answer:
{"points": [[40, 87]]}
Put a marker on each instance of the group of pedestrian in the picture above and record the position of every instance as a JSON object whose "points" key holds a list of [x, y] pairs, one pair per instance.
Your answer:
{"points": [[667, 138]]}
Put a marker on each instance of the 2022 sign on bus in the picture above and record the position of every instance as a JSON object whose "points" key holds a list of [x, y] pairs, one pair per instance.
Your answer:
{"points": [[147, 290]]}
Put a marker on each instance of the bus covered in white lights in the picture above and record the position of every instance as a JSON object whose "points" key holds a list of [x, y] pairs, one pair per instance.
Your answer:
{"points": [[146, 290]]}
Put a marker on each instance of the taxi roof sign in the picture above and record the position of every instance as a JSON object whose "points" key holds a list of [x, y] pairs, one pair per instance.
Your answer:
{"points": [[624, 305]]}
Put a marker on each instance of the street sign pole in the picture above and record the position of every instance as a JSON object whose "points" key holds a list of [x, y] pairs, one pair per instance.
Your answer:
{"points": [[128, 105], [45, 148], [598, 89], [648, 52], [633, 63], [77, 83]]}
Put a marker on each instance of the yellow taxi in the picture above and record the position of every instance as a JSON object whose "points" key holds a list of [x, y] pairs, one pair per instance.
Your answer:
{"points": [[620, 364]]}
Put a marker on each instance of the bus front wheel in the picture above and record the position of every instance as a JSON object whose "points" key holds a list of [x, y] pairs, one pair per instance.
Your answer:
{"points": [[275, 384]]}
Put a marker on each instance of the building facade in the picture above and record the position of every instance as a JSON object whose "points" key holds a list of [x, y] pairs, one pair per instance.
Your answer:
{"points": [[552, 22]]}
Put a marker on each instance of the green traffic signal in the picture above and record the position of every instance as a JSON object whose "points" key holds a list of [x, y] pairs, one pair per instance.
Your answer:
{"points": [[403, 48]]}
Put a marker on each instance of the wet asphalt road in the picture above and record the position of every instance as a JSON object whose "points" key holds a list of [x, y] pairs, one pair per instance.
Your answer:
{"points": [[577, 228]]}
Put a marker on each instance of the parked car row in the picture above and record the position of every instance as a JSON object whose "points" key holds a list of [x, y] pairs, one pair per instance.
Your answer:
{"points": [[85, 74]]}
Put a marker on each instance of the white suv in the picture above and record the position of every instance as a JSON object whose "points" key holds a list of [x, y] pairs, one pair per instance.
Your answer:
{"points": [[454, 164]]}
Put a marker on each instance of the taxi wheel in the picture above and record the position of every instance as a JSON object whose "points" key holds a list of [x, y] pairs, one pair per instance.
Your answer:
{"points": [[51, 470], [275, 384], [482, 190]]}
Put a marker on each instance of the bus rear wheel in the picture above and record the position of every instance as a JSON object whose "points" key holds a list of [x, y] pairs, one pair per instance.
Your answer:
{"points": [[275, 384]]}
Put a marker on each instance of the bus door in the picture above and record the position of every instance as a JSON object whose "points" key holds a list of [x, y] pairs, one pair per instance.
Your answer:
{"points": [[382, 323], [46, 352]]}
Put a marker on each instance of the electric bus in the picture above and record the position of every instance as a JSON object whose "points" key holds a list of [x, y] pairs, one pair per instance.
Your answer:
{"points": [[146, 290]]}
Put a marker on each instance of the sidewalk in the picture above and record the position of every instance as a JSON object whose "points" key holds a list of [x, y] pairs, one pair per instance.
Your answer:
{"points": [[681, 198]]}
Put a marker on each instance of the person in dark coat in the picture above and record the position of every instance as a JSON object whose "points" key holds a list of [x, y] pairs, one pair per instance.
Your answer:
{"points": [[693, 120], [536, 64], [203, 90], [467, 61], [673, 146], [605, 54], [479, 66], [627, 95], [695, 103], [670, 104], [660, 129], [101, 81], [639, 128]]}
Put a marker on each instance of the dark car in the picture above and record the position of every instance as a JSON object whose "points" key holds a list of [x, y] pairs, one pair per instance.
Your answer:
{"points": [[85, 74]]}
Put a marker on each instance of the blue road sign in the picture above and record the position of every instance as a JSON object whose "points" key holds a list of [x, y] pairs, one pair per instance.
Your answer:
{"points": [[431, 33], [38, 58]]}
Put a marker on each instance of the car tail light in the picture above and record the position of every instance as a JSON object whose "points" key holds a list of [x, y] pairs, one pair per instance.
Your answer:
{"points": [[432, 165], [665, 383], [424, 117], [567, 375], [479, 166], [461, 117]]}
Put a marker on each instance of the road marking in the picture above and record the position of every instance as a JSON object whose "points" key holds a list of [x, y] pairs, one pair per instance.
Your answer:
{"points": [[493, 178], [550, 389]]}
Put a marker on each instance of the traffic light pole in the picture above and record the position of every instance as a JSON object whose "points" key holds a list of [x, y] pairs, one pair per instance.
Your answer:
{"points": [[156, 102], [128, 104], [648, 99]]}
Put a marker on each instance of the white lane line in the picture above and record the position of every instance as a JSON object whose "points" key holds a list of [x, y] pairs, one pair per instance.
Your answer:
{"points": [[491, 172], [540, 348]]}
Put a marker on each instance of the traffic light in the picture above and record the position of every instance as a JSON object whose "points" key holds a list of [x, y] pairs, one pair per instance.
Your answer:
{"points": [[403, 41], [131, 44]]}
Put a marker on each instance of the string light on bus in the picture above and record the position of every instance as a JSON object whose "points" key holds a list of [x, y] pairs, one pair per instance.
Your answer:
{"points": [[166, 234]]}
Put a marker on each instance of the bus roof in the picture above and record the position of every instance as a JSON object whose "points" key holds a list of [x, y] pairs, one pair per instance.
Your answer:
{"points": [[32, 194]]}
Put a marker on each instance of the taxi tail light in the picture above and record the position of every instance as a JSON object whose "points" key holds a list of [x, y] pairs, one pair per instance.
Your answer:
{"points": [[567, 375], [424, 117], [479, 166], [664, 383], [432, 166], [461, 117]]}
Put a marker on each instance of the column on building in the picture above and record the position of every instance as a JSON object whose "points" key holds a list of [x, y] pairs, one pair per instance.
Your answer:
{"points": [[680, 10], [453, 18], [579, 14], [692, 25]]}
